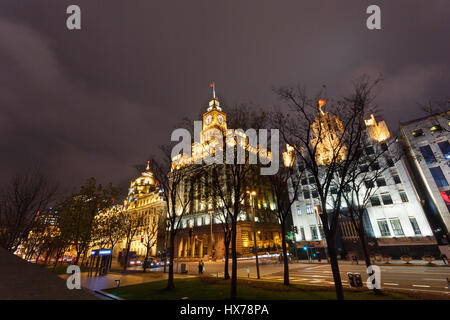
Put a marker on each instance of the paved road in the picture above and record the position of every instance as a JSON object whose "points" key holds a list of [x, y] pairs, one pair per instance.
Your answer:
{"points": [[417, 278]]}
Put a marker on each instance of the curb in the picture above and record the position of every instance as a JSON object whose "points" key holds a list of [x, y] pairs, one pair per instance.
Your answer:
{"points": [[111, 296]]}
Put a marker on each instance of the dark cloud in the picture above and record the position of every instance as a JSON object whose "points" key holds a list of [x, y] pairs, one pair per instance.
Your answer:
{"points": [[96, 102]]}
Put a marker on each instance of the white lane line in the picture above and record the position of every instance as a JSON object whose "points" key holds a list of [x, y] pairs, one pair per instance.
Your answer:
{"points": [[420, 285], [390, 284], [316, 276], [430, 279]]}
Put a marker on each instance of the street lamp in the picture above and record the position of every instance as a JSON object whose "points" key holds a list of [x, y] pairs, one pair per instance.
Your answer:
{"points": [[252, 194]]}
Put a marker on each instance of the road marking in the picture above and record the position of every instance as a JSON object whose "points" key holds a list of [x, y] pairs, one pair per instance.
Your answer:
{"points": [[420, 285], [390, 284], [316, 276], [430, 279]]}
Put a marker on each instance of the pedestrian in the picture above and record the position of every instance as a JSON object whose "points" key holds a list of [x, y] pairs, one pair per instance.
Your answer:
{"points": [[200, 267], [444, 258]]}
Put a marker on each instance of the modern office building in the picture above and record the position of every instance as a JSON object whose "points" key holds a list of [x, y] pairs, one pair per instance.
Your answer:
{"points": [[426, 145]]}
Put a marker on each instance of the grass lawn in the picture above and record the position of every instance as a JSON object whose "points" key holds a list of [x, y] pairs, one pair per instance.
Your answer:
{"points": [[217, 289]]}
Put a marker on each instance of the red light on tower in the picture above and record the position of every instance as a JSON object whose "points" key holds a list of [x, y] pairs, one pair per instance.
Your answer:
{"points": [[38, 213]]}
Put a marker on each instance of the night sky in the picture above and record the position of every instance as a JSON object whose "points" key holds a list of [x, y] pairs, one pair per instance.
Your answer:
{"points": [[98, 101]]}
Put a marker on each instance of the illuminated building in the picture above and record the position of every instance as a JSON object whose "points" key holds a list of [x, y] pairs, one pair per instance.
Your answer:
{"points": [[145, 200], [327, 130], [394, 220], [201, 232], [426, 145]]}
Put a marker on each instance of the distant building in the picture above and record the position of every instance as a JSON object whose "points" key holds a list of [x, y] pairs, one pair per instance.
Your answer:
{"points": [[144, 199], [394, 221], [425, 142]]}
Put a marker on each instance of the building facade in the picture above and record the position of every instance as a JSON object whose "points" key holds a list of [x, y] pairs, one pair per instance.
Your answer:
{"points": [[394, 220], [201, 232], [426, 145]]}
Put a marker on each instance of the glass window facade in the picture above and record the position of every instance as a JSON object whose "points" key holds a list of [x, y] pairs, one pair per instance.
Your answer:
{"points": [[403, 196], [314, 234], [427, 154], [375, 201], [445, 148], [386, 197], [439, 177]]}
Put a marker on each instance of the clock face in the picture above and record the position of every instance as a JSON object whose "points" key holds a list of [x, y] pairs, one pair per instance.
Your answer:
{"points": [[220, 118], [208, 119]]}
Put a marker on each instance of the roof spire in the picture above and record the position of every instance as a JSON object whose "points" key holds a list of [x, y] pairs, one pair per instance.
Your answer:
{"points": [[213, 86], [148, 165]]}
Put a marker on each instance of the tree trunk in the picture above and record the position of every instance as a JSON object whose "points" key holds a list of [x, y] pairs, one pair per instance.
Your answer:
{"points": [[285, 257], [233, 291], [127, 252], [170, 283], [146, 260], [335, 268], [226, 274], [363, 241]]}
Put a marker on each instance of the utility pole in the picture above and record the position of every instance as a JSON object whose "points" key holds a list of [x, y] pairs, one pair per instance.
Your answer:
{"points": [[252, 194]]}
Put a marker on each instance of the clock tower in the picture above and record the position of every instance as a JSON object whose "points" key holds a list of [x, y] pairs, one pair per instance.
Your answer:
{"points": [[214, 117]]}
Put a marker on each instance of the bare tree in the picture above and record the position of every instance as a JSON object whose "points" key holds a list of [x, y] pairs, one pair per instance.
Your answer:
{"points": [[173, 187], [132, 223], [285, 185], [327, 144], [150, 231], [21, 200]]}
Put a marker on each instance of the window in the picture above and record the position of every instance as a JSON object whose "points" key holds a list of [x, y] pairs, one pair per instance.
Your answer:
{"points": [[309, 209], [397, 227], [304, 181], [384, 228], [415, 226], [315, 194], [381, 182], [445, 195], [386, 197], [375, 166], [312, 180], [299, 211], [439, 177], [384, 146], [333, 190], [364, 168], [302, 233], [403, 196], [435, 128], [396, 179], [314, 234], [417, 133], [390, 162], [445, 148], [369, 150], [427, 154], [369, 184], [306, 195], [375, 201]]}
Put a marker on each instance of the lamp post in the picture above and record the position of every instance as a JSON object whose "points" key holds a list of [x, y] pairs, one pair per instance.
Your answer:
{"points": [[252, 194], [212, 239]]}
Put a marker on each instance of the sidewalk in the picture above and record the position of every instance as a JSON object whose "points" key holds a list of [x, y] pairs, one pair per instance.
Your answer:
{"points": [[435, 263]]}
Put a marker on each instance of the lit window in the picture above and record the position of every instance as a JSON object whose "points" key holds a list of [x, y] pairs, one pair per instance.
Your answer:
{"points": [[427, 154], [397, 227], [309, 209], [299, 211], [439, 177], [435, 128]]}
